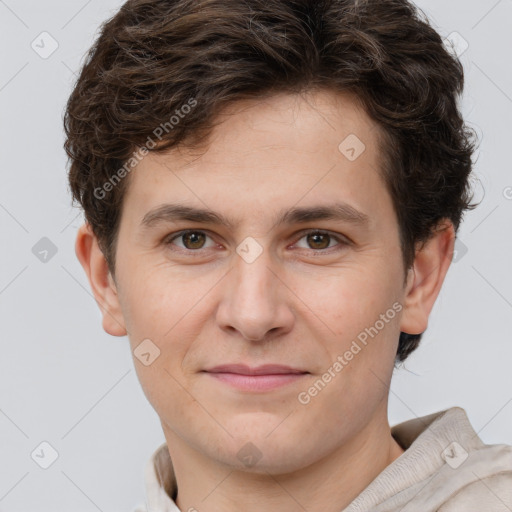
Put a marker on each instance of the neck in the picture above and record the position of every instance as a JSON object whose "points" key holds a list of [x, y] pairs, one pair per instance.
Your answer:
{"points": [[327, 485]]}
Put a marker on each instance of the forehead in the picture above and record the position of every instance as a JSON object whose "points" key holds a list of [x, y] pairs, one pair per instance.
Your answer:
{"points": [[269, 153]]}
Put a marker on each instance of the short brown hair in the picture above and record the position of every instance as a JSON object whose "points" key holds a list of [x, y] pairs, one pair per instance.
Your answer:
{"points": [[155, 56]]}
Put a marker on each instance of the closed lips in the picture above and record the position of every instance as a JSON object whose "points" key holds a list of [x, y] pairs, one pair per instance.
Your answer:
{"points": [[269, 369]]}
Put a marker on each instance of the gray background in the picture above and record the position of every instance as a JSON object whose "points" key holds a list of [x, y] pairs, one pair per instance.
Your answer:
{"points": [[65, 381]]}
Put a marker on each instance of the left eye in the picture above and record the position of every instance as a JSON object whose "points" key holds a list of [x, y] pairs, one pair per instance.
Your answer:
{"points": [[321, 239], [194, 240]]}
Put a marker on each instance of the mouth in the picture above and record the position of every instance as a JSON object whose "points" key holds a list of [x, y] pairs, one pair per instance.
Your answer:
{"points": [[260, 378]]}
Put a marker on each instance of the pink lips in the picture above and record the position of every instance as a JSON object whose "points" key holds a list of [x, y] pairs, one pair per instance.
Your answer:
{"points": [[260, 378]]}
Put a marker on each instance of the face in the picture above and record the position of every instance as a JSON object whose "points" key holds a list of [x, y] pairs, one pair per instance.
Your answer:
{"points": [[280, 284]]}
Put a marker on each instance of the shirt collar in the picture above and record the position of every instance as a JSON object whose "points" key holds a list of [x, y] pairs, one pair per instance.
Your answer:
{"points": [[160, 481]]}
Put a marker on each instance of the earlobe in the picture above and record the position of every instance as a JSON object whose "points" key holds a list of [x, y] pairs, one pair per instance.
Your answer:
{"points": [[102, 284], [426, 278]]}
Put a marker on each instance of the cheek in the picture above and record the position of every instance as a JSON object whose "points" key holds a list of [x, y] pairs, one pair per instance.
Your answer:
{"points": [[363, 315], [351, 299], [165, 390], [168, 312], [153, 300]]}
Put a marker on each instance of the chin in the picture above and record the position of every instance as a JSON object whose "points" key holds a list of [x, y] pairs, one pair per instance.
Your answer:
{"points": [[264, 451]]}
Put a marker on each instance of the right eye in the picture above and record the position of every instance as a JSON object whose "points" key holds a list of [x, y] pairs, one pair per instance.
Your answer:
{"points": [[193, 240]]}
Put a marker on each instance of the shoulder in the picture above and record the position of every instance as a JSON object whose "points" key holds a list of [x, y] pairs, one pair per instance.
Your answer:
{"points": [[492, 493]]}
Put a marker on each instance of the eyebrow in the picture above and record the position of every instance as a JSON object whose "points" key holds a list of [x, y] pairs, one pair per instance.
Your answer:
{"points": [[296, 215], [179, 212]]}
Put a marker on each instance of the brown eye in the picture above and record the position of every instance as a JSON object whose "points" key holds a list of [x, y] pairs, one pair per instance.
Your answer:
{"points": [[318, 240], [192, 240]]}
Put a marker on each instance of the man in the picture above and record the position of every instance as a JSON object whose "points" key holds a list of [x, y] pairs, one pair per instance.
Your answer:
{"points": [[272, 192]]}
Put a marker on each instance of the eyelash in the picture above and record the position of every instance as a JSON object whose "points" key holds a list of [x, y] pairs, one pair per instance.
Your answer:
{"points": [[343, 241]]}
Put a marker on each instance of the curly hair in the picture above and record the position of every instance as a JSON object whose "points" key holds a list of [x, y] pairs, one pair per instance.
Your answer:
{"points": [[166, 68]]}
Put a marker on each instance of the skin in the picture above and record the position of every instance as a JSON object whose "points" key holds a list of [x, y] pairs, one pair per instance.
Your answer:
{"points": [[300, 303]]}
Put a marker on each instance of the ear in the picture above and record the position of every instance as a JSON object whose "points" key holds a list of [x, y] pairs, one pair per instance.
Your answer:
{"points": [[426, 278], [102, 284]]}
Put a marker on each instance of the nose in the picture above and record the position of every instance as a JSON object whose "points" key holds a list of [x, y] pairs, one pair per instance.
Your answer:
{"points": [[255, 299]]}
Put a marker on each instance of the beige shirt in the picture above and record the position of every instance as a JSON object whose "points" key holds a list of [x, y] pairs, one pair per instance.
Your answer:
{"points": [[445, 468]]}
